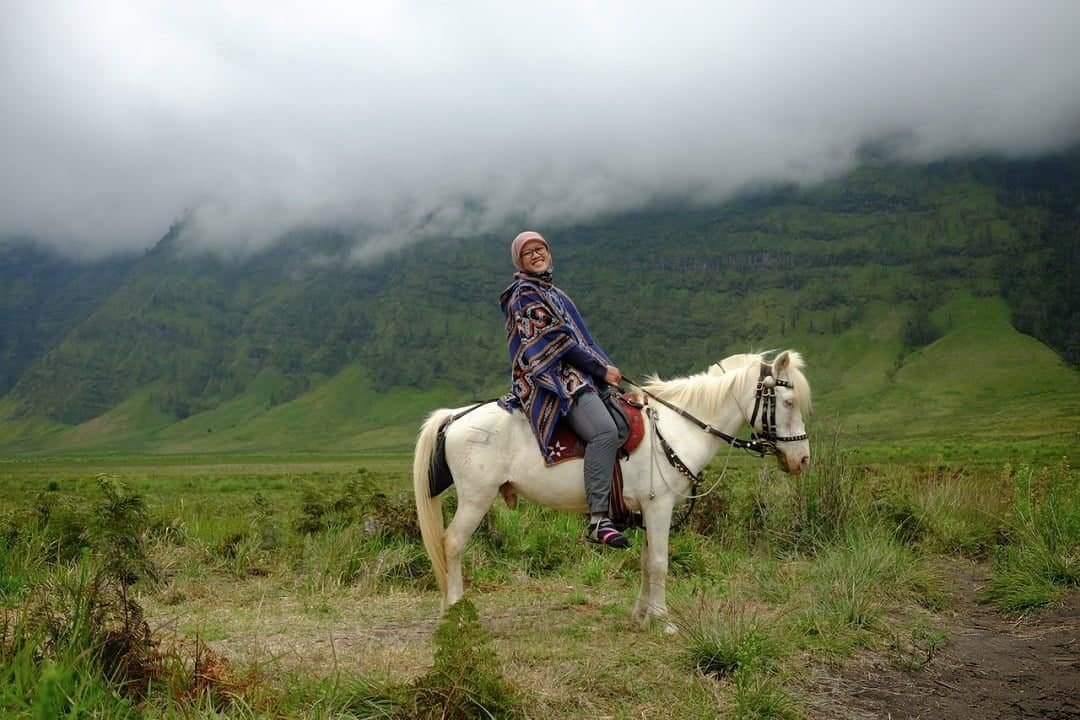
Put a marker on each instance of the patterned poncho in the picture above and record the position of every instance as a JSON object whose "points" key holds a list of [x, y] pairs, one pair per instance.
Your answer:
{"points": [[553, 355]]}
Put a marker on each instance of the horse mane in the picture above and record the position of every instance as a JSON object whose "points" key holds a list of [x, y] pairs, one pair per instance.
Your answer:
{"points": [[708, 390]]}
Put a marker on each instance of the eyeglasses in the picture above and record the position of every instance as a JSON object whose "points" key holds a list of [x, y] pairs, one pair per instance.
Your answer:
{"points": [[535, 252]]}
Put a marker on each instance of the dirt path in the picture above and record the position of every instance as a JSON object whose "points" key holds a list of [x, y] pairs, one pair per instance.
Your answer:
{"points": [[990, 667]]}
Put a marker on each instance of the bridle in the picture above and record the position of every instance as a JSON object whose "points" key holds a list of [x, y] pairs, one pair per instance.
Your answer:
{"points": [[765, 401], [762, 443]]}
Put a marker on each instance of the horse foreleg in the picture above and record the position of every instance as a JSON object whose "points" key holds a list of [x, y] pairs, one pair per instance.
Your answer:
{"points": [[641, 605], [470, 513], [652, 605]]}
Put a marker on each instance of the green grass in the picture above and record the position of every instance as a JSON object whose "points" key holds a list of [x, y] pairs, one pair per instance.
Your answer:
{"points": [[299, 585], [1042, 557]]}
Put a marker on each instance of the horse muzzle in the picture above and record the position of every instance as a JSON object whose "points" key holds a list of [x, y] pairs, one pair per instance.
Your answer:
{"points": [[794, 460]]}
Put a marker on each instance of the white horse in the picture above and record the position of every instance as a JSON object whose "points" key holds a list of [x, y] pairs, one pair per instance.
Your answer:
{"points": [[489, 450]]}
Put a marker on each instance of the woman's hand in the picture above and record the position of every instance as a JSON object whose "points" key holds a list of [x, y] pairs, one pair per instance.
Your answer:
{"points": [[612, 376]]}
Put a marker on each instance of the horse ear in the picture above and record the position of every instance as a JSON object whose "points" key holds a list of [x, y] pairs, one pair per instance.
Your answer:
{"points": [[780, 364]]}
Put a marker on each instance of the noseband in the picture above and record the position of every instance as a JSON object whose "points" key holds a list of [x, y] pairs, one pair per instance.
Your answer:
{"points": [[765, 402]]}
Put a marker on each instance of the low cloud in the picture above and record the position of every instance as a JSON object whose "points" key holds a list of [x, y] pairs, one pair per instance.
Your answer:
{"points": [[121, 118]]}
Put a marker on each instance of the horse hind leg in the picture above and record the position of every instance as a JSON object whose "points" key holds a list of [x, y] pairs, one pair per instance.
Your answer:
{"points": [[470, 513]]}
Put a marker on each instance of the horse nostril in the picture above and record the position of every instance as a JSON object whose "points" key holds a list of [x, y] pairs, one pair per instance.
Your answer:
{"points": [[805, 462]]}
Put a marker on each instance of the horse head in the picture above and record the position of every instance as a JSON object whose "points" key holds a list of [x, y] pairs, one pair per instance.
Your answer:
{"points": [[781, 396], [773, 399]]}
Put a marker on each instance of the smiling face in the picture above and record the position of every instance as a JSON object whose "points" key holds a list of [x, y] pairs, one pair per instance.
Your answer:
{"points": [[535, 256]]}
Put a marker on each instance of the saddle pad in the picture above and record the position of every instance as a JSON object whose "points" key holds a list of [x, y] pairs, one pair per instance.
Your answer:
{"points": [[566, 445]]}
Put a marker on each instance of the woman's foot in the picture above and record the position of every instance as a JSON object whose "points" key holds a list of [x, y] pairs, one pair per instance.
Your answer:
{"points": [[603, 532]]}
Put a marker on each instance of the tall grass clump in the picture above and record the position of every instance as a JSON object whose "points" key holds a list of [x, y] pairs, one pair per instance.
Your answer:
{"points": [[352, 557], [65, 682], [252, 547], [78, 645], [361, 501], [944, 511], [1042, 556], [760, 697], [464, 682], [782, 513], [852, 585], [729, 643], [359, 537], [24, 556], [744, 653], [827, 502]]}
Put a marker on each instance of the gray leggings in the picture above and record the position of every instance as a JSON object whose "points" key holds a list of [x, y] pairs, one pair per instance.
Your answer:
{"points": [[592, 422]]}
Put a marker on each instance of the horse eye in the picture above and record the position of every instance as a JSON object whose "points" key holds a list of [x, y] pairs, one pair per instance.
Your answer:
{"points": [[789, 403]]}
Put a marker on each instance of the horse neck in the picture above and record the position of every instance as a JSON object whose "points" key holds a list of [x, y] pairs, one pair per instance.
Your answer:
{"points": [[693, 445]]}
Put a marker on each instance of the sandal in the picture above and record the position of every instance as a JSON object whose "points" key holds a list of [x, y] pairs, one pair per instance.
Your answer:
{"points": [[604, 533]]}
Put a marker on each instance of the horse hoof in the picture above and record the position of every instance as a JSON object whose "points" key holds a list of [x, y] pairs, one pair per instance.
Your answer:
{"points": [[670, 629]]}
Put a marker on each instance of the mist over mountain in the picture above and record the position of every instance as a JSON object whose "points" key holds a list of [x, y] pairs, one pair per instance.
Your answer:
{"points": [[408, 122]]}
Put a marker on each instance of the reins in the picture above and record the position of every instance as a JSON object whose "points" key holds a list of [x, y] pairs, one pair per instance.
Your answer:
{"points": [[753, 445]]}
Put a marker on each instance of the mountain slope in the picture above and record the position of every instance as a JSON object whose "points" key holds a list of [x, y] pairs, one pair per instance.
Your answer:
{"points": [[888, 280], [43, 297]]}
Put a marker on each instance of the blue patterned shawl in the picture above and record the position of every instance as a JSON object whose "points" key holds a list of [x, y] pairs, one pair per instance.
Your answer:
{"points": [[542, 325]]}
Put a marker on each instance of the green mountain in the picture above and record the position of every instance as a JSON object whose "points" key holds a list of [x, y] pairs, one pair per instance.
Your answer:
{"points": [[931, 302], [43, 296]]}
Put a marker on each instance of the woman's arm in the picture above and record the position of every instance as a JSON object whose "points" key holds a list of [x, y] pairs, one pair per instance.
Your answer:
{"points": [[586, 362]]}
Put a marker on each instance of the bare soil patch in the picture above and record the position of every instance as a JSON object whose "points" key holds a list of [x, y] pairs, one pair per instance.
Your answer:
{"points": [[992, 666]]}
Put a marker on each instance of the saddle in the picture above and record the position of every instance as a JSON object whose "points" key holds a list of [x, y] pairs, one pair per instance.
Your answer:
{"points": [[626, 412]]}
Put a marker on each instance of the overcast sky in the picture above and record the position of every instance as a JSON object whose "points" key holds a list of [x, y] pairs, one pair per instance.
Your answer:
{"points": [[433, 118]]}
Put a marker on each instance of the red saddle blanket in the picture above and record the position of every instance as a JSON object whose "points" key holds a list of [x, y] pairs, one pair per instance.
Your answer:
{"points": [[566, 445]]}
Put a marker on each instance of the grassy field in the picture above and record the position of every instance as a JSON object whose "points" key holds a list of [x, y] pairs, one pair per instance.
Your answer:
{"points": [[296, 587]]}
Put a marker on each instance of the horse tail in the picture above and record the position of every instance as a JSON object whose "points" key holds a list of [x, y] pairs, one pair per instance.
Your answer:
{"points": [[428, 507]]}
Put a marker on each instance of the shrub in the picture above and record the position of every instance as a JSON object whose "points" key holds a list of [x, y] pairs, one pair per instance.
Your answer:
{"points": [[465, 682], [359, 501], [80, 637]]}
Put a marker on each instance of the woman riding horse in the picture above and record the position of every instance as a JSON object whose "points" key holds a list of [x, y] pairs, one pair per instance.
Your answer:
{"points": [[557, 370]]}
